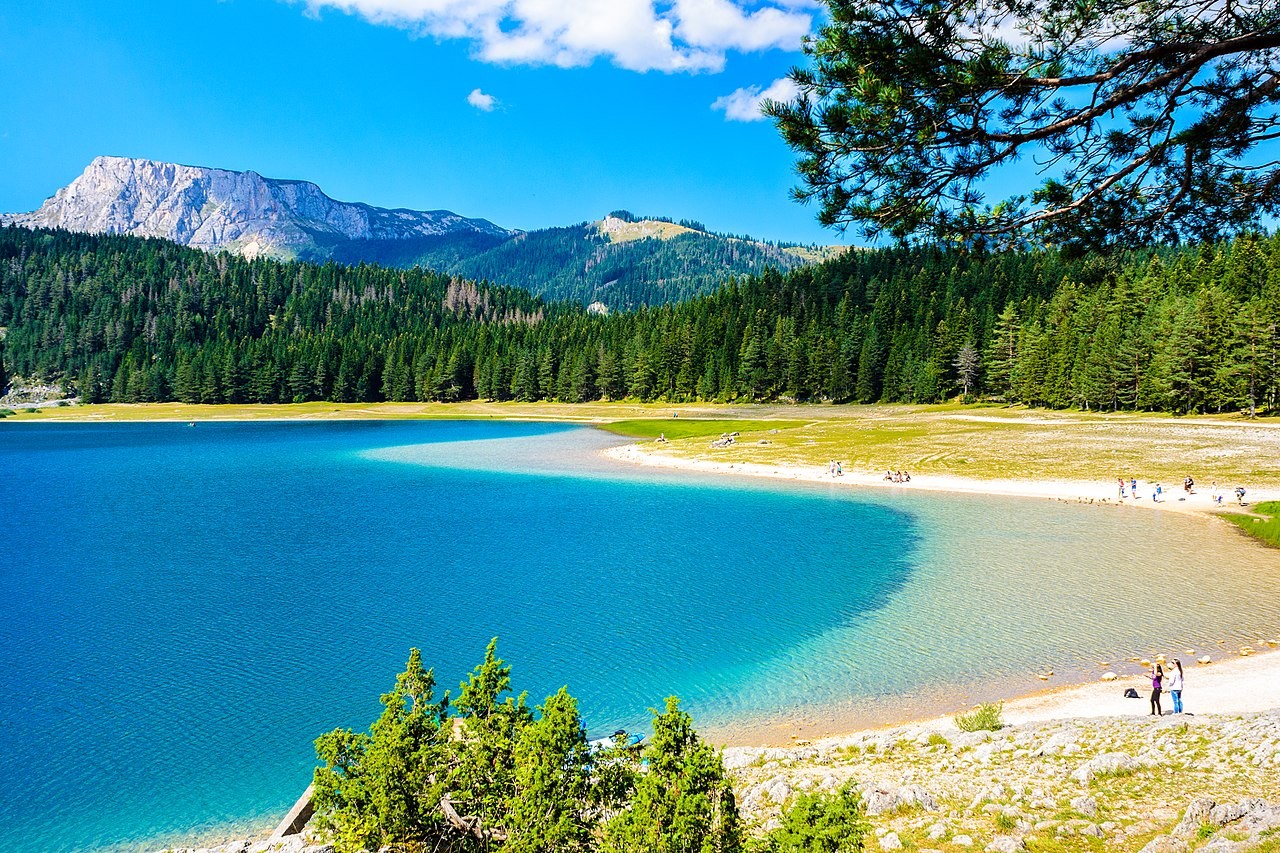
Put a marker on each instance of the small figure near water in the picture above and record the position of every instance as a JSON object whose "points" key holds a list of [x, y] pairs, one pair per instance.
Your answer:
{"points": [[1157, 679], [1188, 485], [1175, 685], [1240, 495], [1120, 482], [1155, 496], [1133, 485]]}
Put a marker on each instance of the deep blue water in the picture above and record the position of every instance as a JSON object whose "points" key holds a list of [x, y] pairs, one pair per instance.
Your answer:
{"points": [[183, 610]]}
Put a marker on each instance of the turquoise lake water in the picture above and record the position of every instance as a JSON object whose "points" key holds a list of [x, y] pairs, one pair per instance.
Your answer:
{"points": [[184, 609]]}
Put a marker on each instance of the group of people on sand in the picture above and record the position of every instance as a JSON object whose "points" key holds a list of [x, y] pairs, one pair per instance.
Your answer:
{"points": [[897, 476], [834, 469], [1174, 687], [1130, 489]]}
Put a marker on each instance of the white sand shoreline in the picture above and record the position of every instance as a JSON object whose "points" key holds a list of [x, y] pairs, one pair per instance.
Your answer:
{"points": [[1234, 685], [1083, 491]]}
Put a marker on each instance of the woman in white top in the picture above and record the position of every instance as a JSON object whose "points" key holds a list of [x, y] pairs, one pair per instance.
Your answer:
{"points": [[1175, 685]]}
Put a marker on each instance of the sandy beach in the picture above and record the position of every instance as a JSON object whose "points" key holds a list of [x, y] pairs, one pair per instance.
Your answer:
{"points": [[1173, 499], [1227, 685]]}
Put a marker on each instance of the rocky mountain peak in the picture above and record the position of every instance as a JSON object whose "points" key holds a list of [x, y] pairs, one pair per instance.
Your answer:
{"points": [[244, 212]]}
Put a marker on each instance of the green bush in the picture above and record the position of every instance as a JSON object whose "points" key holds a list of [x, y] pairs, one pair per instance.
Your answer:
{"points": [[984, 718], [684, 802], [821, 823], [485, 773]]}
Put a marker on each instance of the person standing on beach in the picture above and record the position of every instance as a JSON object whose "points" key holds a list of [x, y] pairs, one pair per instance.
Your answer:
{"points": [[1175, 685], [1120, 480], [1133, 486], [1157, 679]]}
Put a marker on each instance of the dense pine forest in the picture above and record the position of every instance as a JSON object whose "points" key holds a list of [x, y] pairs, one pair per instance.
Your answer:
{"points": [[130, 320]]}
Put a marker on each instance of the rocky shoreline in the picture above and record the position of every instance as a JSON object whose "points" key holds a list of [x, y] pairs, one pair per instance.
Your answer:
{"points": [[1170, 785], [1177, 783]]}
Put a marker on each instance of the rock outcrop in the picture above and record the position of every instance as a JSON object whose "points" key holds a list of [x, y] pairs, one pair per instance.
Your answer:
{"points": [[241, 212], [1176, 784]]}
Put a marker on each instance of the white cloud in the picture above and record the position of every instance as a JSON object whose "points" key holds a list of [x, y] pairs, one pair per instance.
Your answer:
{"points": [[744, 104], [723, 24], [481, 101], [639, 35]]}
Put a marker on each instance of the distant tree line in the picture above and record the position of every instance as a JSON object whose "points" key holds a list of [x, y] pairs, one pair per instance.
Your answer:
{"points": [[131, 320]]}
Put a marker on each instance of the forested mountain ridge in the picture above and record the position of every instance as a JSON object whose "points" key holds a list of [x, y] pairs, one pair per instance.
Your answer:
{"points": [[588, 263], [621, 261], [601, 262], [1187, 330]]}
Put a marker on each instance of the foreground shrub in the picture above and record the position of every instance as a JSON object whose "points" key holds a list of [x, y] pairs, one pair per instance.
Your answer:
{"points": [[821, 823], [984, 718], [684, 802], [488, 774]]}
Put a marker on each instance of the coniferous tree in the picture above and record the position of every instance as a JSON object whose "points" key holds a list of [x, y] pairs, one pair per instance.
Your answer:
{"points": [[684, 802]]}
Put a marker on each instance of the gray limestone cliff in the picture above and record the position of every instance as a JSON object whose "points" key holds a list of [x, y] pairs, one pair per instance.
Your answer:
{"points": [[241, 212]]}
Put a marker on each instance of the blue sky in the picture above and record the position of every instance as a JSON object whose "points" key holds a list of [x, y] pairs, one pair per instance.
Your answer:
{"points": [[531, 113]]}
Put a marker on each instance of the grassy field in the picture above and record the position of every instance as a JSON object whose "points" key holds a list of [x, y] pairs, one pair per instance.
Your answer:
{"points": [[980, 442], [1004, 443], [674, 429], [1263, 523]]}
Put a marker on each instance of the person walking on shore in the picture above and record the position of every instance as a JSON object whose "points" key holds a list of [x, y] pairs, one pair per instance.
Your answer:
{"points": [[1157, 679], [1175, 685]]}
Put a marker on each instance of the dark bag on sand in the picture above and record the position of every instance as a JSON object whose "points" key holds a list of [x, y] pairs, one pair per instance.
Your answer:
{"points": [[1131, 694]]}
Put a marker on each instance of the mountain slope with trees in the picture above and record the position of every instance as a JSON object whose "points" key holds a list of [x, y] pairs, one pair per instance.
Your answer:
{"points": [[127, 319], [622, 262]]}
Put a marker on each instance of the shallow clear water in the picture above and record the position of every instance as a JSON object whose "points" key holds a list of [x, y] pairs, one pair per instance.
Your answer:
{"points": [[184, 609]]}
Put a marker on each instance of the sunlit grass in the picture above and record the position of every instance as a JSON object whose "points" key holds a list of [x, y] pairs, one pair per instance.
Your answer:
{"points": [[678, 428], [1263, 524]]}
